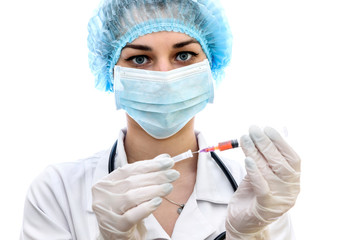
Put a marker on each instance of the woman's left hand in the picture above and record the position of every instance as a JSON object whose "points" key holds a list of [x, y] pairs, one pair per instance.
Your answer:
{"points": [[270, 187]]}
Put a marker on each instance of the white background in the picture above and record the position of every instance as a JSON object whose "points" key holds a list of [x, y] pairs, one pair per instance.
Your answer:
{"points": [[295, 66]]}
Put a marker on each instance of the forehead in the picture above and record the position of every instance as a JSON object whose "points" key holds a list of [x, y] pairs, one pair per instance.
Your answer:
{"points": [[158, 38]]}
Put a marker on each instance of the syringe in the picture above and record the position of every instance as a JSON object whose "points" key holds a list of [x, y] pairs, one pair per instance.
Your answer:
{"points": [[221, 146]]}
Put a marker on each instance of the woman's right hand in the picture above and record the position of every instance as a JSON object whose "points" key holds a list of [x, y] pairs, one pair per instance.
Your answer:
{"points": [[129, 194]]}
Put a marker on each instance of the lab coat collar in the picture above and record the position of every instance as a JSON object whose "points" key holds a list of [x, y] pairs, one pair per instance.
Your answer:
{"points": [[211, 186], [192, 223], [211, 183], [120, 159], [101, 169]]}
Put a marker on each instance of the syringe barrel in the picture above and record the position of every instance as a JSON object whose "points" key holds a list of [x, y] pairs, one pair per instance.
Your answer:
{"points": [[228, 145]]}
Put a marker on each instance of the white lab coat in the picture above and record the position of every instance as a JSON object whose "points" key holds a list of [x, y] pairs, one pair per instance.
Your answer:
{"points": [[58, 203]]}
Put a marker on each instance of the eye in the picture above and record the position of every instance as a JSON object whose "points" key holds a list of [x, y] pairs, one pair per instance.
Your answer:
{"points": [[138, 60], [185, 56]]}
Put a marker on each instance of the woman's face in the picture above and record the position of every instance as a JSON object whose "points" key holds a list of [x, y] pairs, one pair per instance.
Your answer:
{"points": [[161, 51]]}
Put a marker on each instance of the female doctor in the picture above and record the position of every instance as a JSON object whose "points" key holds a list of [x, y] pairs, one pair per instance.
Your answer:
{"points": [[160, 58]]}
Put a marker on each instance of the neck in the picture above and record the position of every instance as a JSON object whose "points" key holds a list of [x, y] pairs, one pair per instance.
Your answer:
{"points": [[141, 146]]}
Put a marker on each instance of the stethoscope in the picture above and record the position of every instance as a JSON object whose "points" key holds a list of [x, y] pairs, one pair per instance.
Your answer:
{"points": [[111, 167]]}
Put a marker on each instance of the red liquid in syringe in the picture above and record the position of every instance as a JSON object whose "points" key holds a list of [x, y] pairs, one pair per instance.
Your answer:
{"points": [[222, 146]]}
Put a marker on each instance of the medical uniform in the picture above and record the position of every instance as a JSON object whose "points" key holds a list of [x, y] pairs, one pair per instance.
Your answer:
{"points": [[58, 204]]}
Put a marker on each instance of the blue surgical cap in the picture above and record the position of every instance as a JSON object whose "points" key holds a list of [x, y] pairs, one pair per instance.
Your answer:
{"points": [[118, 22]]}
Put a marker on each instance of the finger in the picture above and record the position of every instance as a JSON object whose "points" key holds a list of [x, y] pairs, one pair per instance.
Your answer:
{"points": [[265, 197], [121, 203], [161, 162], [124, 202], [250, 150], [284, 148], [125, 222], [256, 179], [135, 215], [140, 180], [100, 212], [276, 160]]}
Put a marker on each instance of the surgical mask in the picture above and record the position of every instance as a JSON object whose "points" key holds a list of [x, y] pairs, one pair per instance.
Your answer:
{"points": [[163, 102]]}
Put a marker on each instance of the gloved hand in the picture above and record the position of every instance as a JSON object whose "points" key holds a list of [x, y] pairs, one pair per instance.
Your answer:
{"points": [[270, 187], [129, 194]]}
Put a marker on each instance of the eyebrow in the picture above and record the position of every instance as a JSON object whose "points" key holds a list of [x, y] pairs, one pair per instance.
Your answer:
{"points": [[183, 44], [147, 48], [138, 47]]}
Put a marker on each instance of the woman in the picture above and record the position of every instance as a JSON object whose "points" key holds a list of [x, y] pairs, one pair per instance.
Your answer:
{"points": [[159, 57]]}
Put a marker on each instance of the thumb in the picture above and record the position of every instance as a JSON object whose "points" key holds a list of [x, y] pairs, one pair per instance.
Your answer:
{"points": [[257, 181]]}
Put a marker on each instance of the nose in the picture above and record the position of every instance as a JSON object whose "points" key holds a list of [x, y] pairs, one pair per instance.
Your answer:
{"points": [[163, 65]]}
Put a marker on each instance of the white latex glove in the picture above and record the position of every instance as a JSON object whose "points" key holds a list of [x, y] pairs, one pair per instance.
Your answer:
{"points": [[270, 187], [129, 194]]}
